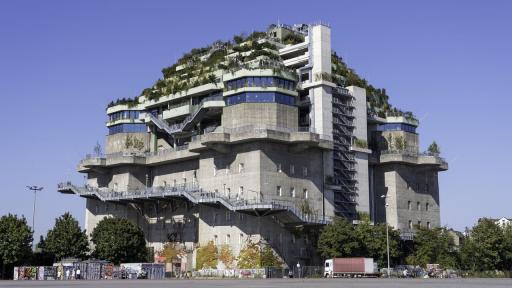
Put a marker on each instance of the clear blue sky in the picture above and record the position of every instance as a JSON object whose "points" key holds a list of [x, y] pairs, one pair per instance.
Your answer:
{"points": [[61, 62]]}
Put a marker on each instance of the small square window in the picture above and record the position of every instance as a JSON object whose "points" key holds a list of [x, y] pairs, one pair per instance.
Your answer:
{"points": [[418, 205], [410, 224], [409, 205], [278, 168], [241, 168], [292, 192], [305, 193], [427, 206], [292, 169], [305, 171], [279, 191]]}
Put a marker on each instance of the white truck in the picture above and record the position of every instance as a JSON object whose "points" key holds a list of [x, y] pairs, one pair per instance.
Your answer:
{"points": [[350, 267]]}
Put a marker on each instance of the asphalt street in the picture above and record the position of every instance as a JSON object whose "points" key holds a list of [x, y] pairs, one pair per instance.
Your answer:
{"points": [[270, 283]]}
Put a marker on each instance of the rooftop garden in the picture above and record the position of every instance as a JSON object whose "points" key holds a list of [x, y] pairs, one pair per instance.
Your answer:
{"points": [[377, 98], [199, 66], [255, 51]]}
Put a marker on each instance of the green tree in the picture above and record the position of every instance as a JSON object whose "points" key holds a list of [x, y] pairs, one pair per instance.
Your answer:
{"points": [[434, 148], [372, 239], [66, 239], [249, 256], [41, 258], [207, 256], [226, 256], [506, 254], [15, 241], [119, 240], [170, 252], [338, 239], [481, 250], [433, 246], [269, 258]]}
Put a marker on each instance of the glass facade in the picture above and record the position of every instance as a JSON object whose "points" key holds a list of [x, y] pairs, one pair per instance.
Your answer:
{"points": [[260, 82], [260, 97], [127, 128], [397, 127], [127, 114]]}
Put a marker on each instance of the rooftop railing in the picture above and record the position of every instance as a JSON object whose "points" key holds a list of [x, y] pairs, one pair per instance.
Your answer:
{"points": [[412, 153]]}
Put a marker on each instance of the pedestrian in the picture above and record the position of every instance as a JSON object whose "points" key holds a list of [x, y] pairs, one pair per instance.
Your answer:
{"points": [[67, 274], [59, 274], [78, 273], [405, 273]]}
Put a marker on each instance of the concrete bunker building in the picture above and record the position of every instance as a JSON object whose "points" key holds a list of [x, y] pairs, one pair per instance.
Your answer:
{"points": [[258, 140]]}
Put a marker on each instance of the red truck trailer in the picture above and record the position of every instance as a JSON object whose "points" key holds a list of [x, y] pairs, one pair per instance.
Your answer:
{"points": [[350, 267]]}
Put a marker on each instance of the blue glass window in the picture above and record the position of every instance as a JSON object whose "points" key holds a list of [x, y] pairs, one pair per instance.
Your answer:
{"points": [[260, 82], [127, 114], [397, 127], [257, 81], [260, 97], [127, 128]]}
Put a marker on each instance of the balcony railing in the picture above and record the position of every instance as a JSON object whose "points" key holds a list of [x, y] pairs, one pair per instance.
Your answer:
{"points": [[195, 194]]}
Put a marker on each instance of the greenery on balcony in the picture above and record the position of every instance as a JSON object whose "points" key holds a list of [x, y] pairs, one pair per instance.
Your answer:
{"points": [[293, 38], [434, 149], [130, 102], [397, 143], [360, 143]]}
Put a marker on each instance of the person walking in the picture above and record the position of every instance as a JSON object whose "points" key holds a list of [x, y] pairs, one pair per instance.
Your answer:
{"points": [[78, 273]]}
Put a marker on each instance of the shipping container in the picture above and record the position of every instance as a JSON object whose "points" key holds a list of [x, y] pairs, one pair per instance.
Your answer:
{"points": [[350, 267]]}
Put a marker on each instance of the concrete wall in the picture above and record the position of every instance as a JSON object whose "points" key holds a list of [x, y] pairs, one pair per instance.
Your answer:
{"points": [[235, 174], [270, 114], [236, 229], [116, 142], [359, 112], [407, 184], [175, 174], [363, 188], [360, 132]]}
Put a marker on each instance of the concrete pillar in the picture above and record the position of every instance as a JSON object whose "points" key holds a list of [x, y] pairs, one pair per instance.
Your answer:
{"points": [[321, 96]]}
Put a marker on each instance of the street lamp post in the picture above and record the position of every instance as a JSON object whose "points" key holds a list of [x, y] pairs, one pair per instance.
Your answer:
{"points": [[35, 189], [386, 204]]}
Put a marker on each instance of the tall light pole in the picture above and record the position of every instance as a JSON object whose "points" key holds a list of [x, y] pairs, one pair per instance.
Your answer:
{"points": [[386, 204], [35, 189]]}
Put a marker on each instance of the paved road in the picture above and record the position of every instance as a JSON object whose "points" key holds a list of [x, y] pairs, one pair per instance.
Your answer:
{"points": [[271, 283]]}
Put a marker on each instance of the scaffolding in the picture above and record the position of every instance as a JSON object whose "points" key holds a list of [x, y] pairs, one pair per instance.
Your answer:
{"points": [[344, 177]]}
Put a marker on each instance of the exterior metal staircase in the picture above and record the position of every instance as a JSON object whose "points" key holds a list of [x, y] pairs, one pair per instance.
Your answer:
{"points": [[193, 193], [189, 120]]}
